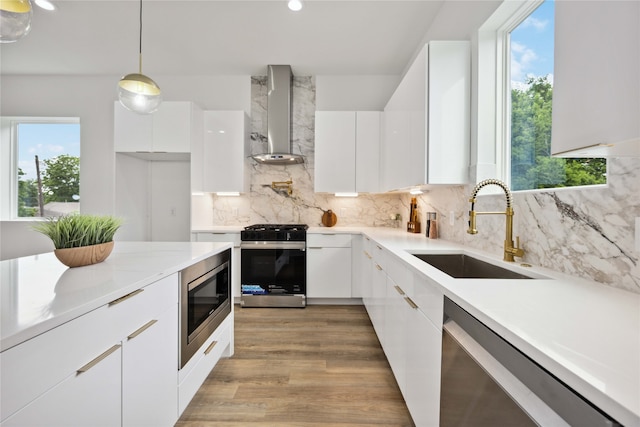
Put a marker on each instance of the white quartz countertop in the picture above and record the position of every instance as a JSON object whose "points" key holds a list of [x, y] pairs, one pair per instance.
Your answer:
{"points": [[38, 293], [585, 333]]}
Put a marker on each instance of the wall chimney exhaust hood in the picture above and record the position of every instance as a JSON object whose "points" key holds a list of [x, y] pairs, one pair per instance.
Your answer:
{"points": [[279, 96]]}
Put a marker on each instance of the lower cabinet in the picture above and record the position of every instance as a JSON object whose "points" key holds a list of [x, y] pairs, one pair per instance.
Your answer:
{"points": [[406, 313], [329, 266], [116, 365], [89, 398], [149, 363]]}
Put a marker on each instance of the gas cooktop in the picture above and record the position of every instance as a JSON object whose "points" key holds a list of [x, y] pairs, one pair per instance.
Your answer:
{"points": [[275, 232]]}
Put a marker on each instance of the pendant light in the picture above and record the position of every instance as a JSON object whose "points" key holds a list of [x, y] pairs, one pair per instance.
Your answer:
{"points": [[136, 91], [15, 20]]}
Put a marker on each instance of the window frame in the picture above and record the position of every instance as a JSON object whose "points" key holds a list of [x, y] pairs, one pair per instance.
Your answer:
{"points": [[492, 151], [9, 161]]}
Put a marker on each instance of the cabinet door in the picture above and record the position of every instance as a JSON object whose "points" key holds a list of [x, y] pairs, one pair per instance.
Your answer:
{"points": [[172, 128], [131, 131], [366, 273], [423, 354], [395, 343], [328, 272], [596, 86], [150, 372], [88, 398], [368, 151], [449, 111], [335, 151], [226, 140]]}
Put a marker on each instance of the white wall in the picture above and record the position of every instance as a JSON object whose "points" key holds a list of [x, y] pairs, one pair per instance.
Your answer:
{"points": [[354, 93], [91, 99]]}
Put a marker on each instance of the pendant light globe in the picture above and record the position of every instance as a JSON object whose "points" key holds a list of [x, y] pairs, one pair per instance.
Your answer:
{"points": [[15, 20], [139, 93], [136, 91]]}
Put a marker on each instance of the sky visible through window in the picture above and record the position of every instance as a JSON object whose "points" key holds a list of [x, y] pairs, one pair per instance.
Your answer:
{"points": [[532, 46], [46, 140]]}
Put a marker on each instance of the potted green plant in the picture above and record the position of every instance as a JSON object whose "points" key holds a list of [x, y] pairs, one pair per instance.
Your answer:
{"points": [[80, 239]]}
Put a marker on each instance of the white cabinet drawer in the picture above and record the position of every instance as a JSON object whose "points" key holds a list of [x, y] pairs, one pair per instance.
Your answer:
{"points": [[198, 368], [91, 398], [33, 367], [328, 240], [429, 298]]}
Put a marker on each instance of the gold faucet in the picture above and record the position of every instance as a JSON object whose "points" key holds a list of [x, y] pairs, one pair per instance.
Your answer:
{"points": [[510, 250]]}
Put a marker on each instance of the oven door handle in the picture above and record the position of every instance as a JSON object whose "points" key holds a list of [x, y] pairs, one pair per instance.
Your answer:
{"points": [[273, 245]]}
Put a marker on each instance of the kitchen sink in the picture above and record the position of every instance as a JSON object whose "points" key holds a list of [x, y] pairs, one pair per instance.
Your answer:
{"points": [[461, 266]]}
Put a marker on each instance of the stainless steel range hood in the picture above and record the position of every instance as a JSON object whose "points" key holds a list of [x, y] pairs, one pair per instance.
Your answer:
{"points": [[279, 95]]}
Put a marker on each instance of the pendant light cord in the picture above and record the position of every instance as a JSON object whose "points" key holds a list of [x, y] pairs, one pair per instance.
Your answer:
{"points": [[140, 47]]}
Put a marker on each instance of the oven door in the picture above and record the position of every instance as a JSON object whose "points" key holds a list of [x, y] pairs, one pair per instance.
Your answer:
{"points": [[205, 302], [273, 268]]}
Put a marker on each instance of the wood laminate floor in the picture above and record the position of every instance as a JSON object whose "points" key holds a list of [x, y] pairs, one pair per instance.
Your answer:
{"points": [[317, 366]]}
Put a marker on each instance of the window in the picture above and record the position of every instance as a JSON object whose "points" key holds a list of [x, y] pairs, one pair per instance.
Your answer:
{"points": [[43, 167], [528, 46]]}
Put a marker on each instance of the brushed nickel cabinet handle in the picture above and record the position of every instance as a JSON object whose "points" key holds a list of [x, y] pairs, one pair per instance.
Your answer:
{"points": [[126, 297], [378, 267], [410, 302], [399, 290], [367, 254], [208, 350], [378, 247], [141, 329], [98, 359]]}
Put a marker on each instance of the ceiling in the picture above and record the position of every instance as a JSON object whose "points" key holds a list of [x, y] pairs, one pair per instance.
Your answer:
{"points": [[237, 37]]}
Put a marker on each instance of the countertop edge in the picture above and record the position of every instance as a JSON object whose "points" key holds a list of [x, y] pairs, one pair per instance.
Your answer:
{"points": [[17, 338]]}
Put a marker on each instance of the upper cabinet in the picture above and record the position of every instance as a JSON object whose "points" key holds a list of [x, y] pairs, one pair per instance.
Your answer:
{"points": [[427, 120], [172, 129], [220, 162], [596, 88], [347, 151]]}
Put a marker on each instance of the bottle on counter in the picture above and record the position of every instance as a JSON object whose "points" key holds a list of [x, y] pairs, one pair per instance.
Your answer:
{"points": [[432, 225]]}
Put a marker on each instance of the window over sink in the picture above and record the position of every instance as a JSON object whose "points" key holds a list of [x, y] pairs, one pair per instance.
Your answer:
{"points": [[517, 45], [40, 165]]}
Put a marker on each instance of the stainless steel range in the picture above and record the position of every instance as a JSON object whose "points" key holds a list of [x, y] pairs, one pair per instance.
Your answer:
{"points": [[273, 265]]}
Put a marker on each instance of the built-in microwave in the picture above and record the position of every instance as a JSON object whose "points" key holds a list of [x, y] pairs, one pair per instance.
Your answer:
{"points": [[205, 301]]}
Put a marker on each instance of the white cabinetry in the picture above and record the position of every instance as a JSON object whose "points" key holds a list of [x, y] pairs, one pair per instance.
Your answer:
{"points": [[149, 392], [329, 265], [225, 148], [347, 151], [171, 129], [406, 312], [235, 255], [153, 170], [194, 373], [427, 120], [114, 365], [596, 88]]}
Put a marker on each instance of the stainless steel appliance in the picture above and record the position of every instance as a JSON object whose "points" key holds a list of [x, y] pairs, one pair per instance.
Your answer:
{"points": [[205, 301], [273, 265], [485, 381]]}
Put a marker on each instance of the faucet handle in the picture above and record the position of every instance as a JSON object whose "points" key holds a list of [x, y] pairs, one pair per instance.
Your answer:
{"points": [[517, 242]]}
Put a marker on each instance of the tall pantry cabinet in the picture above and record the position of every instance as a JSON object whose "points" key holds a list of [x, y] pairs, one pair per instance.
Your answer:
{"points": [[153, 170]]}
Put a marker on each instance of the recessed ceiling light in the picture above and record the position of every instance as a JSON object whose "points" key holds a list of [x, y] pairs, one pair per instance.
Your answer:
{"points": [[295, 5], [45, 4]]}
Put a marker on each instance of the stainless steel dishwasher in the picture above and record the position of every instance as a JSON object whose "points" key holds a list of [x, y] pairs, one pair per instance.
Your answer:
{"points": [[486, 381]]}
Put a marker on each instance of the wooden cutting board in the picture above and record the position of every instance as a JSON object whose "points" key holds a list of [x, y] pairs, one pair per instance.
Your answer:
{"points": [[329, 218]]}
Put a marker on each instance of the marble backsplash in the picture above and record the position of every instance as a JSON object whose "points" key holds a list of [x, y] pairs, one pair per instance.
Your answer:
{"points": [[265, 205], [586, 232]]}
